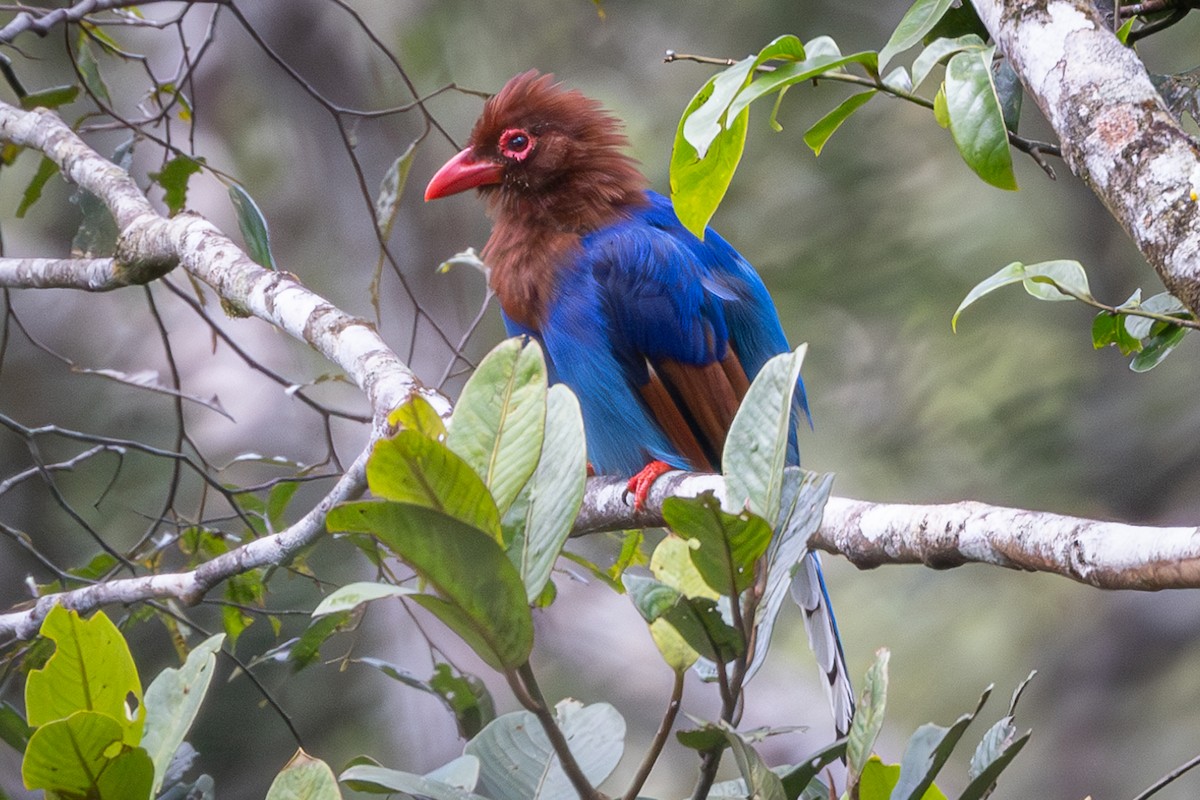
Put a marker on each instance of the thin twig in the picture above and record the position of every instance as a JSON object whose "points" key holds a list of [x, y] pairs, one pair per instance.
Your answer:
{"points": [[659, 741]]}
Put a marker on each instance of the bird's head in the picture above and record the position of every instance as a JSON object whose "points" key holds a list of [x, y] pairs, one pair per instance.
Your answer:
{"points": [[545, 154]]}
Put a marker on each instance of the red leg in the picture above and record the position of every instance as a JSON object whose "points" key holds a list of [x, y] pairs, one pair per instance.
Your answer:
{"points": [[640, 484]]}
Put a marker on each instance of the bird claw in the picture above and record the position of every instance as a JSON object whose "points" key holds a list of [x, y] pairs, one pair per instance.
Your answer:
{"points": [[639, 485]]}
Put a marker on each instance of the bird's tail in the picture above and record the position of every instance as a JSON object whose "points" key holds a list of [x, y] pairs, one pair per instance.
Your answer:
{"points": [[808, 590]]}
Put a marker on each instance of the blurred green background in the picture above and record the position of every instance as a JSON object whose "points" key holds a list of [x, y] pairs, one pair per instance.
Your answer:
{"points": [[867, 250]]}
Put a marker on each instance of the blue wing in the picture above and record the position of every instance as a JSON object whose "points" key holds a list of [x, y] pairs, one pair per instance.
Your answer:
{"points": [[651, 327]]}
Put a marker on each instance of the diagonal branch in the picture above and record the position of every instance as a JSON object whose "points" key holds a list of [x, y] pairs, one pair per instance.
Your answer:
{"points": [[1116, 132]]}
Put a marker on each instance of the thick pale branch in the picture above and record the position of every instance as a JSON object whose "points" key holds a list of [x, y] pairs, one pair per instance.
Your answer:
{"points": [[1110, 555], [149, 241], [1116, 132]]}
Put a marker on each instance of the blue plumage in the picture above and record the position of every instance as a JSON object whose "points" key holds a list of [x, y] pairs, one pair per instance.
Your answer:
{"points": [[640, 290]]}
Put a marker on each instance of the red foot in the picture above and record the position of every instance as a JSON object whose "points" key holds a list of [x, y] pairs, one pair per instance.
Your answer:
{"points": [[591, 471], [640, 484]]}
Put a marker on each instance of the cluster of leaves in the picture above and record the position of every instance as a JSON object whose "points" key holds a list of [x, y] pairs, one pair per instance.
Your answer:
{"points": [[90, 732], [480, 509], [1148, 330], [978, 100], [927, 750]]}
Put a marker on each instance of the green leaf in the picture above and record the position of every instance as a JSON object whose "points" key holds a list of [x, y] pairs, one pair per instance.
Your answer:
{"points": [[366, 777], [391, 189], [172, 702], [698, 184], [1009, 91], [481, 587], [816, 136], [999, 747], [52, 97], [33, 192], [556, 491], [761, 782], [916, 22], [1158, 347], [1056, 280], [757, 445], [939, 50], [351, 596], [91, 670], [672, 564], [654, 600], [977, 119], [941, 113], [500, 419], [796, 779], [253, 226], [463, 694], [1125, 29], [868, 718], [927, 752], [729, 545], [305, 650], [466, 696], [14, 731], [304, 778], [418, 415], [1046, 280], [1161, 303], [1109, 329], [412, 468], [517, 760], [89, 69], [174, 180], [86, 755]]}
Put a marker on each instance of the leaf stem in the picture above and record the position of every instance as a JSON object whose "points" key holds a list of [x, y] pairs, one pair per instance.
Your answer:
{"points": [[660, 739], [525, 687]]}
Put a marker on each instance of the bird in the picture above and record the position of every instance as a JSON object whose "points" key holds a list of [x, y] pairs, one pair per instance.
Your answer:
{"points": [[658, 332]]}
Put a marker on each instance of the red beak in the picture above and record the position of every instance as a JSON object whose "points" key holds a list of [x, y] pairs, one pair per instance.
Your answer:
{"points": [[463, 172]]}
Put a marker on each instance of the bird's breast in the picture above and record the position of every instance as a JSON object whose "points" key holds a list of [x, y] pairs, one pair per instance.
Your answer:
{"points": [[525, 264]]}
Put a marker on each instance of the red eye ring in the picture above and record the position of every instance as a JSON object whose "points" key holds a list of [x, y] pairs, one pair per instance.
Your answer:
{"points": [[516, 143]]}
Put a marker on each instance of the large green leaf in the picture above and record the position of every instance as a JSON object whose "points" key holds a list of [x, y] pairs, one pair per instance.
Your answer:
{"points": [[729, 545], [91, 670], [1046, 280], [484, 598], [85, 755], [304, 778], [977, 118], [518, 763], [698, 184], [756, 447], [500, 419], [555, 492], [172, 702], [916, 22], [412, 468]]}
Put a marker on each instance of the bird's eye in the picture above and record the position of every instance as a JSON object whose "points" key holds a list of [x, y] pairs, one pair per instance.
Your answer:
{"points": [[515, 143]]}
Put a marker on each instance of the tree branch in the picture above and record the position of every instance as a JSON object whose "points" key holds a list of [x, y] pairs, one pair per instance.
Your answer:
{"points": [[1109, 555], [1116, 132]]}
